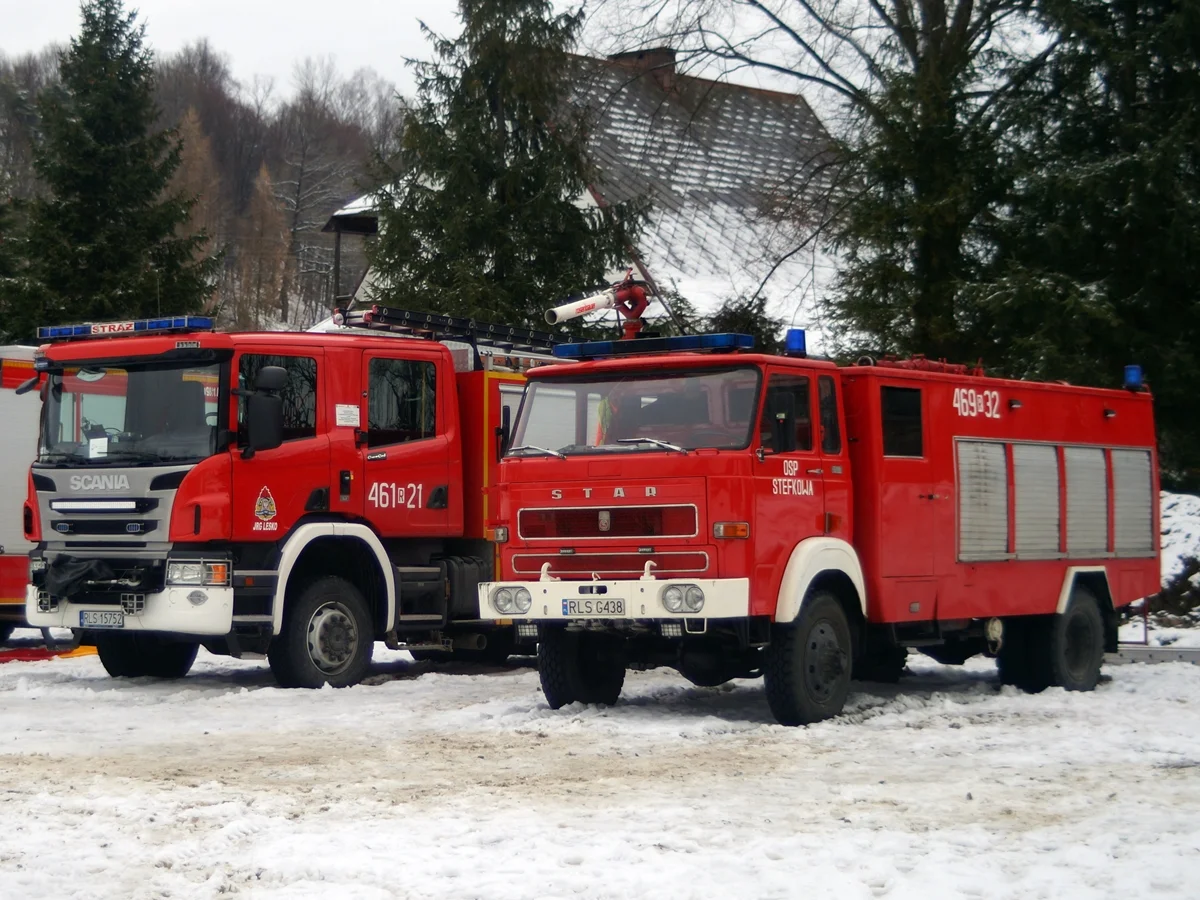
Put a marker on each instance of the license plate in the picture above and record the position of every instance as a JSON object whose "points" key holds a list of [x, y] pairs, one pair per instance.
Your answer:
{"points": [[101, 619], [592, 607]]}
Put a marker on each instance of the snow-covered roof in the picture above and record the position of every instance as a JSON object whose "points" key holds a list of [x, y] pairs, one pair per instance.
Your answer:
{"points": [[710, 157]]}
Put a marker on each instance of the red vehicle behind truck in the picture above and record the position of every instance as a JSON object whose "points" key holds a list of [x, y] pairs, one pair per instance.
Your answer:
{"points": [[297, 496], [18, 443], [692, 503]]}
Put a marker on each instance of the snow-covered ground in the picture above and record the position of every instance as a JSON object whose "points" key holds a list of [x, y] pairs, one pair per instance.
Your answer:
{"points": [[437, 781]]}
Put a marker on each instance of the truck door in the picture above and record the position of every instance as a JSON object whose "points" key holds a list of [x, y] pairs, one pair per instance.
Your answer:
{"points": [[907, 502], [276, 487], [408, 447], [835, 464], [788, 486]]}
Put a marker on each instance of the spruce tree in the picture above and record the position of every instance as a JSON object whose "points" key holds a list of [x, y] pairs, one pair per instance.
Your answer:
{"points": [[1099, 256], [103, 240], [483, 217]]}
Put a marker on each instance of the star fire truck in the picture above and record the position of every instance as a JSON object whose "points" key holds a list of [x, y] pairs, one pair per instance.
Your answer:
{"points": [[688, 502], [298, 495]]}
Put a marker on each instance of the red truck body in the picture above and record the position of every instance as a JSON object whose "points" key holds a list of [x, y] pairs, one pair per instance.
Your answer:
{"points": [[159, 523], [941, 509]]}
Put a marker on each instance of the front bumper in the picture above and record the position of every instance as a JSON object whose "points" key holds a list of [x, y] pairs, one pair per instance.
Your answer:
{"points": [[169, 610], [724, 598]]}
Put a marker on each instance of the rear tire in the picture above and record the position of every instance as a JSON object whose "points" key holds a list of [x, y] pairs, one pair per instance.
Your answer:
{"points": [[808, 663], [580, 667], [327, 637], [136, 655], [1076, 643]]}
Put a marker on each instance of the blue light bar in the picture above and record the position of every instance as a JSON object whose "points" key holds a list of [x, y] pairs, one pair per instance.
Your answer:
{"points": [[592, 349], [1134, 381], [136, 326], [794, 344]]}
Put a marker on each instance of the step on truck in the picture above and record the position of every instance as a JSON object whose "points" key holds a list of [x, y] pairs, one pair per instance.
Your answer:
{"points": [[293, 495], [688, 502]]}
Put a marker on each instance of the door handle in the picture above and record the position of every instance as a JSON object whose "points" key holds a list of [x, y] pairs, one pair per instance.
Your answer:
{"points": [[344, 479], [814, 471], [439, 497], [928, 497]]}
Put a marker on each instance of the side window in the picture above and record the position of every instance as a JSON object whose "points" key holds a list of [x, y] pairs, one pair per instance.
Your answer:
{"points": [[299, 395], [787, 419], [901, 421], [401, 401], [831, 437]]}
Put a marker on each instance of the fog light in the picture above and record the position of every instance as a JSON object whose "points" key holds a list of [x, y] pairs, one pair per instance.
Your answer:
{"points": [[527, 630], [522, 599], [672, 599], [197, 598], [671, 629], [502, 600], [693, 599], [46, 603]]}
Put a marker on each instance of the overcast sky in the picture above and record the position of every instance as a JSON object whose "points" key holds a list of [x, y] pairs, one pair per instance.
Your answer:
{"points": [[264, 37]]}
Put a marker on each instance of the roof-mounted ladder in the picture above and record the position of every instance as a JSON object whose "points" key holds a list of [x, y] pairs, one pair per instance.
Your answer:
{"points": [[527, 344]]}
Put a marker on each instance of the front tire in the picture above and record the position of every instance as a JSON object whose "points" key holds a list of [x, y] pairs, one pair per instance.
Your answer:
{"points": [[580, 667], [327, 637], [808, 663], [136, 655]]}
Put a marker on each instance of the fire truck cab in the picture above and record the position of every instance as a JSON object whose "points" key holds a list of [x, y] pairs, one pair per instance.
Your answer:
{"points": [[691, 503], [298, 495]]}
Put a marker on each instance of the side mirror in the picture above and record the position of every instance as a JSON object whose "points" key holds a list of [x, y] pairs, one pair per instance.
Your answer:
{"points": [[264, 421], [271, 378], [504, 432]]}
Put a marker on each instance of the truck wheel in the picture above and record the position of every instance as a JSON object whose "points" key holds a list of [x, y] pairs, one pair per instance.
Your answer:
{"points": [[1076, 643], [1025, 654], [6, 631], [808, 663], [577, 667], [327, 637], [137, 655]]}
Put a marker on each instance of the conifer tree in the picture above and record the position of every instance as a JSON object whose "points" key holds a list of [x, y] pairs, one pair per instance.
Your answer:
{"points": [[483, 217], [103, 240], [1099, 257]]}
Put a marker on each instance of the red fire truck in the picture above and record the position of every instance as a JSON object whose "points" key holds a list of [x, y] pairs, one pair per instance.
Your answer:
{"points": [[18, 443], [293, 495], [690, 503]]}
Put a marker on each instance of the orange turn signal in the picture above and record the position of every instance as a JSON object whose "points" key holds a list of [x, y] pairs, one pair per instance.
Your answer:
{"points": [[497, 534], [731, 530]]}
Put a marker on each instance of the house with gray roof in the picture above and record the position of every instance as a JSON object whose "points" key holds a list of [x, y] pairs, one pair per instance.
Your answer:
{"points": [[712, 159]]}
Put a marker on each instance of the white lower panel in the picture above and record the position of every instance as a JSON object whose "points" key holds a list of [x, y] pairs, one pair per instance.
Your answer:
{"points": [[724, 598], [169, 611]]}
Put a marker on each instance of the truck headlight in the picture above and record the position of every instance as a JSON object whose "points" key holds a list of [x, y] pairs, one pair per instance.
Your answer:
{"points": [[502, 600], [693, 599], [672, 599], [522, 600], [198, 573]]}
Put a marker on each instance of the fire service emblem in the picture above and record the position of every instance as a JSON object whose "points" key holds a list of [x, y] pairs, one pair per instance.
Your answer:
{"points": [[605, 521]]}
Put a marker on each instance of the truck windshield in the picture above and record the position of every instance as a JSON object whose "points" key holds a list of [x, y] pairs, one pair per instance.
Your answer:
{"points": [[639, 412], [130, 414]]}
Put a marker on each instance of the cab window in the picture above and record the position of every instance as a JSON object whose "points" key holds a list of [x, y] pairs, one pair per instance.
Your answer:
{"points": [[401, 401], [299, 395], [787, 419]]}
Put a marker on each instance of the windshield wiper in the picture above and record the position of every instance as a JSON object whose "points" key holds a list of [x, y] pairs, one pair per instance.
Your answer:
{"points": [[655, 441], [538, 449]]}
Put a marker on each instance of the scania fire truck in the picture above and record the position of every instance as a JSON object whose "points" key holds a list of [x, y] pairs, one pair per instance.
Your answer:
{"points": [[691, 503], [298, 495]]}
